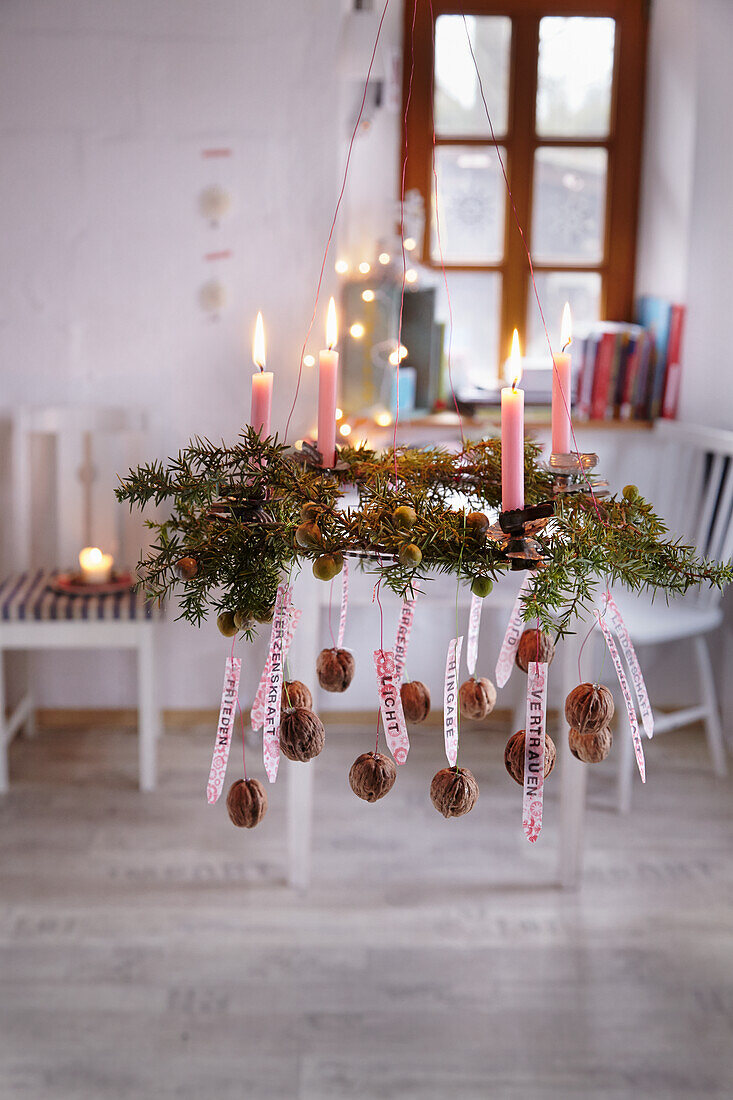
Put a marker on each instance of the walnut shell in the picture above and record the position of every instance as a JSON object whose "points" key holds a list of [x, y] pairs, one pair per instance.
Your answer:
{"points": [[477, 698], [297, 694], [589, 708], [415, 698], [527, 649], [372, 776], [591, 748], [514, 756], [335, 668], [246, 803], [454, 791], [302, 735]]}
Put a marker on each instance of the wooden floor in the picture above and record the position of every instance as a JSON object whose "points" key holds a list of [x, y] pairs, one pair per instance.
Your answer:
{"points": [[149, 949]]}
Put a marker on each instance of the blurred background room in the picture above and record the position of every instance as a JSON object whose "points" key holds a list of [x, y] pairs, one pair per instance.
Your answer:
{"points": [[169, 169]]}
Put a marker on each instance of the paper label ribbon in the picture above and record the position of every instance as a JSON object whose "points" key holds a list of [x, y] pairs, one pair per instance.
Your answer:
{"points": [[404, 629], [626, 692], [257, 713], [637, 678], [534, 750], [474, 624], [450, 700], [227, 714], [393, 718], [514, 629], [344, 602], [281, 622]]}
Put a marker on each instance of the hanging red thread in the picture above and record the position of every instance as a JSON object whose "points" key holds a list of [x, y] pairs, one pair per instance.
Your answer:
{"points": [[335, 217]]}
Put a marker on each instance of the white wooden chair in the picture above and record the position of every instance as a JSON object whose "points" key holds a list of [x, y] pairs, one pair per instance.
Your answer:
{"points": [[694, 494], [84, 449]]}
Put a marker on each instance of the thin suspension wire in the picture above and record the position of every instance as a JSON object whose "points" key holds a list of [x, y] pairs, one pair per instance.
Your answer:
{"points": [[440, 247], [531, 265], [402, 238], [335, 217]]}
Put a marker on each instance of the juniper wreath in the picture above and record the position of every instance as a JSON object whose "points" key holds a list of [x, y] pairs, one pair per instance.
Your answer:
{"points": [[250, 513]]}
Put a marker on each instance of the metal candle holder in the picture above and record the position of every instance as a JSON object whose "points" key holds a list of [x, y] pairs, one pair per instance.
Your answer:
{"points": [[306, 452], [513, 534], [572, 474]]}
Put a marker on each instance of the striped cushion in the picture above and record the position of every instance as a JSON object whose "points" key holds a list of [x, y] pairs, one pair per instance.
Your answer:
{"points": [[27, 597]]}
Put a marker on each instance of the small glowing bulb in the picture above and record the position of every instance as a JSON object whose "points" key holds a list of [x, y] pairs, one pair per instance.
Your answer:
{"points": [[339, 414], [393, 355], [411, 275], [341, 267], [345, 429], [384, 258], [364, 267], [410, 244], [367, 295], [357, 330], [383, 419], [309, 360]]}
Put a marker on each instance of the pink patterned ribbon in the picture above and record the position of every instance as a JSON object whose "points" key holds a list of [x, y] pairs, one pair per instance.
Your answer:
{"points": [[404, 629], [474, 624], [344, 602], [257, 714], [626, 692], [637, 678], [450, 700], [273, 692], [514, 628], [534, 750], [227, 714], [393, 718]]}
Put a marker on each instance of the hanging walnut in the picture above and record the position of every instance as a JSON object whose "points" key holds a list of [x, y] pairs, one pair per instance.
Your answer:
{"points": [[514, 756], [528, 649], [296, 694], [372, 776], [591, 748], [335, 668], [477, 698], [454, 791], [301, 734], [589, 708], [415, 701], [246, 803]]}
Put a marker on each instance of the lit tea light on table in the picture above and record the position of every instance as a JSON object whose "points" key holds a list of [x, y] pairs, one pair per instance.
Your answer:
{"points": [[96, 567]]}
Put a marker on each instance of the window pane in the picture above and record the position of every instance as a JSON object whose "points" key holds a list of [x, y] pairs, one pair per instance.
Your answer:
{"points": [[470, 205], [475, 300], [574, 77], [582, 289], [459, 109], [569, 205]]}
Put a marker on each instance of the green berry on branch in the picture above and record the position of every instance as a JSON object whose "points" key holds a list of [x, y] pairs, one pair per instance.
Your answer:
{"points": [[186, 569], [630, 492], [328, 566], [242, 619], [308, 535], [309, 512], [225, 622], [404, 517], [481, 586], [410, 555], [265, 616]]}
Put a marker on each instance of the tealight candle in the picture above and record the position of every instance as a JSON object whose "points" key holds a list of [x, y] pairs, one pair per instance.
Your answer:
{"points": [[96, 567], [261, 407], [561, 390], [328, 366], [512, 434]]}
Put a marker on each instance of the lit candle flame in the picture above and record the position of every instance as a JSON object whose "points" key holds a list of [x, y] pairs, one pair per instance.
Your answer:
{"points": [[258, 344], [332, 334], [566, 328], [515, 361]]}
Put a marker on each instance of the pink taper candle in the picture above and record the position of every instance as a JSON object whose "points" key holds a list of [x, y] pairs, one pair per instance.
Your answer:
{"points": [[328, 369], [261, 408], [561, 390], [512, 435]]}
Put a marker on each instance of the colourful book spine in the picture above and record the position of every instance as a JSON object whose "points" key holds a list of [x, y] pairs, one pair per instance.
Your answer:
{"points": [[674, 365], [602, 376]]}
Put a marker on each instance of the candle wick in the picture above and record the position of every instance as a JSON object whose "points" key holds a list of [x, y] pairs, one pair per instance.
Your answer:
{"points": [[566, 344]]}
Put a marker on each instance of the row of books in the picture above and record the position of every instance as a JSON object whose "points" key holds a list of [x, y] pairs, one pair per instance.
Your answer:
{"points": [[631, 371]]}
